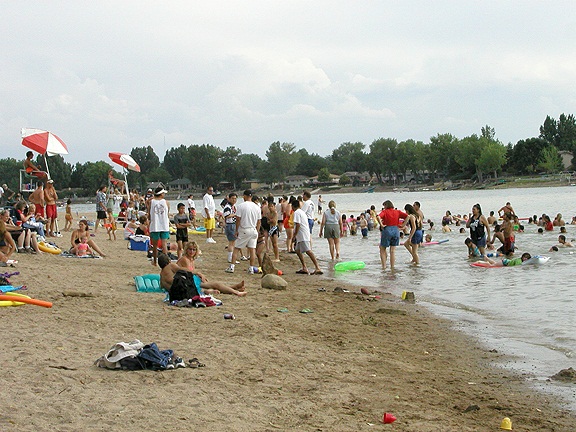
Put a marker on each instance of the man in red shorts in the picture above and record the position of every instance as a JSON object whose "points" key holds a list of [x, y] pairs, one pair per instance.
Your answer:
{"points": [[51, 196], [37, 198]]}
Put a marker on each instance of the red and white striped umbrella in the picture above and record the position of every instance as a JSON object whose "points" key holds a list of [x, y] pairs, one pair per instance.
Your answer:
{"points": [[124, 160], [43, 142]]}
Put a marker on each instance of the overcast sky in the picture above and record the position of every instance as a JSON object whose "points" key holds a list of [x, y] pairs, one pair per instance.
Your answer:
{"points": [[109, 76]]}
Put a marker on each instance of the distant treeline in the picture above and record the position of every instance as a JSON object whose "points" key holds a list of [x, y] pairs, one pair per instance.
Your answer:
{"points": [[444, 157]]}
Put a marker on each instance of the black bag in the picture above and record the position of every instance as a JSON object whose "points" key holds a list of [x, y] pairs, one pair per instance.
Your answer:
{"points": [[183, 287]]}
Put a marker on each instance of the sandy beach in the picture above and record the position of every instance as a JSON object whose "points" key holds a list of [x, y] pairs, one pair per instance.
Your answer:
{"points": [[338, 368]]}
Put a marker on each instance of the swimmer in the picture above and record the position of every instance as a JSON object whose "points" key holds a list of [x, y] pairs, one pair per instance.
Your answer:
{"points": [[563, 242], [510, 262]]}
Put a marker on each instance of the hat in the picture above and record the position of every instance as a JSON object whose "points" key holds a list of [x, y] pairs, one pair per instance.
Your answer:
{"points": [[247, 192], [149, 190], [50, 181], [159, 191]]}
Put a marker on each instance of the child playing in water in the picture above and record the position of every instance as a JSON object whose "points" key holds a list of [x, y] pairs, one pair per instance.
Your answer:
{"points": [[345, 226], [186, 261], [69, 218], [510, 262], [363, 226]]}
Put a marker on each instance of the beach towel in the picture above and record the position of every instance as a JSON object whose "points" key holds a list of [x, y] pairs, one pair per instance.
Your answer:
{"points": [[119, 351], [67, 254]]}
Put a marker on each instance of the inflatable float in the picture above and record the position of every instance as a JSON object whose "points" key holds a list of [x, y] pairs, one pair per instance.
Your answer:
{"points": [[15, 296], [18, 299], [199, 230], [350, 265], [49, 248]]}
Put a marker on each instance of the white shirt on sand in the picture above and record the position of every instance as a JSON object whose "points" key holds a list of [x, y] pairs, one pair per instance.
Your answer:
{"points": [[301, 219]]}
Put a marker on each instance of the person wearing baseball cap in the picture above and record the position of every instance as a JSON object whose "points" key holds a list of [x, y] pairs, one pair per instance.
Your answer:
{"points": [[159, 223]]}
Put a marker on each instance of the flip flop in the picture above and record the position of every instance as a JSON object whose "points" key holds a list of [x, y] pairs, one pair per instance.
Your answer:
{"points": [[318, 272], [306, 311], [302, 272], [195, 363], [282, 310]]}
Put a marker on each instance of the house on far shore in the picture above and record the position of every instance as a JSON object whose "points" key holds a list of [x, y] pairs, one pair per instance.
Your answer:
{"points": [[154, 185], [295, 181], [255, 184], [334, 180], [179, 185], [358, 178]]}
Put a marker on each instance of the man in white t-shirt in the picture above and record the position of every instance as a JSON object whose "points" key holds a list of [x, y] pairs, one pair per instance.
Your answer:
{"points": [[159, 223], [208, 212], [308, 208], [302, 235], [248, 219]]}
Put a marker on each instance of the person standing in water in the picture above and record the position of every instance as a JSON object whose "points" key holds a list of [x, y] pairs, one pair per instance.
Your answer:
{"points": [[416, 233], [479, 228], [389, 219]]}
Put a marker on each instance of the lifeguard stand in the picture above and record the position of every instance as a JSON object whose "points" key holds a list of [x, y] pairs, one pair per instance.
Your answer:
{"points": [[28, 183]]}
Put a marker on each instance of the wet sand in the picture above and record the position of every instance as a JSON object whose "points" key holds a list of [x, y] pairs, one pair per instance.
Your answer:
{"points": [[336, 369]]}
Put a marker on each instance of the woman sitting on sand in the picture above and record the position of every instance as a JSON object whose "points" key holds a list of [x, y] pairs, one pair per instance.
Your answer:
{"points": [[186, 262], [81, 233], [7, 244]]}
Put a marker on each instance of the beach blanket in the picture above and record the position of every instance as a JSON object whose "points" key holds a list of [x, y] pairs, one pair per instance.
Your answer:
{"points": [[67, 254]]}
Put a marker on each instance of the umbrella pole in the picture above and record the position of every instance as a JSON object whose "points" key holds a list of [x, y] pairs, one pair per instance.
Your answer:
{"points": [[125, 171]]}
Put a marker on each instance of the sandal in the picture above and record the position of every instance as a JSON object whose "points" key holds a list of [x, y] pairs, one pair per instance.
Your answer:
{"points": [[301, 271], [195, 363], [284, 310], [306, 311]]}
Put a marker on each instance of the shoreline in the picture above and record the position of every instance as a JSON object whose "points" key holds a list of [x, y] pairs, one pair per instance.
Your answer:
{"points": [[338, 368]]}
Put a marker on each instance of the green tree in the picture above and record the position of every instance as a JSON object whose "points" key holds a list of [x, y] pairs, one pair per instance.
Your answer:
{"points": [[94, 175], [148, 161], [550, 160], [560, 133], [174, 161], [525, 156], [348, 157], [10, 172], [233, 167], [158, 175], [441, 159], [492, 159], [382, 158], [344, 180], [202, 165], [323, 175], [282, 159], [309, 164]]}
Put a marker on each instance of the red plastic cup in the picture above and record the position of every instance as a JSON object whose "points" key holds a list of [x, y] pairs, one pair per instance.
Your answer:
{"points": [[388, 418]]}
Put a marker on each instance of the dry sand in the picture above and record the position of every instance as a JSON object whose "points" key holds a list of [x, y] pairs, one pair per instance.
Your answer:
{"points": [[336, 369]]}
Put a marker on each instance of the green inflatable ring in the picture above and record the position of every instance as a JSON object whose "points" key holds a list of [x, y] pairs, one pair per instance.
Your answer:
{"points": [[350, 265]]}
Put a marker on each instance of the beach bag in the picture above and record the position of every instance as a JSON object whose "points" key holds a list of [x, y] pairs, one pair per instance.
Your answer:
{"points": [[154, 359], [183, 287]]}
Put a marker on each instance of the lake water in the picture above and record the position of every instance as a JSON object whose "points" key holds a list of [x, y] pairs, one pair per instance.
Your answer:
{"points": [[527, 312]]}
